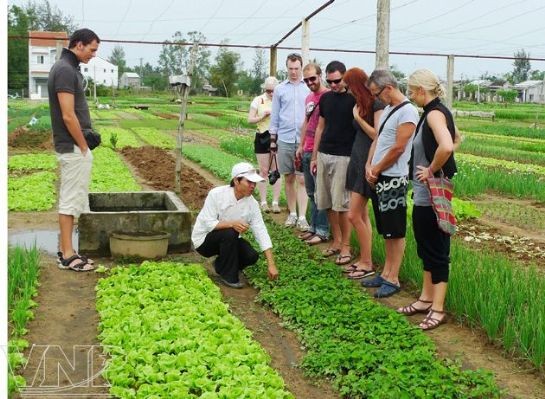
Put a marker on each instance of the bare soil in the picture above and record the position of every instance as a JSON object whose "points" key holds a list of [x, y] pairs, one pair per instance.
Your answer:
{"points": [[24, 139], [66, 315]]}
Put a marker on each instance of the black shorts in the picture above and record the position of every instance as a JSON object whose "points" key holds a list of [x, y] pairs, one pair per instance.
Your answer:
{"points": [[262, 142], [391, 209]]}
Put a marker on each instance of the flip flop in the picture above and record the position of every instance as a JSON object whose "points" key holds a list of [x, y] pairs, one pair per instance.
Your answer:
{"points": [[360, 273], [351, 268], [307, 235], [315, 240], [330, 252], [343, 259]]}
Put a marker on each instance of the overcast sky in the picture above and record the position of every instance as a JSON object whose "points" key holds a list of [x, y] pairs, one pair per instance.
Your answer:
{"points": [[482, 27]]}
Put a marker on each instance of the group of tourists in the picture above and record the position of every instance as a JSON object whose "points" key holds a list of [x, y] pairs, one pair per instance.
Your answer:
{"points": [[359, 139], [335, 147]]}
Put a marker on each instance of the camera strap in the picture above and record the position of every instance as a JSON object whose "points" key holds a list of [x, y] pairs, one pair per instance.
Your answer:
{"points": [[272, 157]]}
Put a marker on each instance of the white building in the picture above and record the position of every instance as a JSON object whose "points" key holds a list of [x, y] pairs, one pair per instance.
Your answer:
{"points": [[43, 48], [42, 54], [129, 79], [531, 91], [101, 71]]}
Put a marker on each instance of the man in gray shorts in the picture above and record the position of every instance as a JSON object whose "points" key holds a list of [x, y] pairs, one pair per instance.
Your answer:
{"points": [[69, 117], [333, 142], [387, 169], [287, 117]]}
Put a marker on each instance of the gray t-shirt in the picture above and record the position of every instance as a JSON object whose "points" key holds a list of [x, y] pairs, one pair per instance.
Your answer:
{"points": [[387, 138], [66, 77], [421, 192]]}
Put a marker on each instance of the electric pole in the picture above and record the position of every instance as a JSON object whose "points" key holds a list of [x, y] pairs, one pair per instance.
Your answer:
{"points": [[383, 34]]}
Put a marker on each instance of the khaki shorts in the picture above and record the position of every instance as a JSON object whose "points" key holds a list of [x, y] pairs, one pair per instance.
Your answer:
{"points": [[286, 158], [330, 182], [75, 179]]}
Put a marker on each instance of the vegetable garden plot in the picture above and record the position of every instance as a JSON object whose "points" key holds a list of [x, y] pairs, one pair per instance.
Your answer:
{"points": [[155, 137], [169, 334], [35, 192], [124, 137], [110, 173]]}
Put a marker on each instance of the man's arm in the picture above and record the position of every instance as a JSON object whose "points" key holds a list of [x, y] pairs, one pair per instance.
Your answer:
{"points": [[68, 111], [318, 137], [275, 111], [300, 148], [403, 135]]}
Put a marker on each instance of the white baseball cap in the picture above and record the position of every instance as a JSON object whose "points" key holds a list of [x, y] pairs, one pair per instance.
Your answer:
{"points": [[246, 170]]}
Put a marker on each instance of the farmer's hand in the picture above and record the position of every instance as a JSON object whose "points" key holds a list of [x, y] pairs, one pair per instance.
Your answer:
{"points": [[240, 226], [272, 272]]}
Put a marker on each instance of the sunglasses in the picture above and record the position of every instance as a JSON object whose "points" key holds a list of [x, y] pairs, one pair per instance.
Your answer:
{"points": [[336, 81], [311, 79], [380, 92], [269, 91]]}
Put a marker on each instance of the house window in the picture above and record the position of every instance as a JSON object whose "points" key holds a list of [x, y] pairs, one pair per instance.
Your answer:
{"points": [[112, 71], [40, 59], [104, 70], [104, 81], [85, 69]]}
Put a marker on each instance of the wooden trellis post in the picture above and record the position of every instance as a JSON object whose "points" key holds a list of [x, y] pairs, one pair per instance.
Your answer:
{"points": [[186, 85]]}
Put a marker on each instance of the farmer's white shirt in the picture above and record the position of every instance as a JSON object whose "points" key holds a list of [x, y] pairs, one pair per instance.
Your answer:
{"points": [[221, 205]]}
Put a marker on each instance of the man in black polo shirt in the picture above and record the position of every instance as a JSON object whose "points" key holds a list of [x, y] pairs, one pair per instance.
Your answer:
{"points": [[333, 142], [69, 117]]}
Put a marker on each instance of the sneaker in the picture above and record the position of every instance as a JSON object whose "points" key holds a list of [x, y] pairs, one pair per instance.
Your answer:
{"points": [[291, 220], [275, 208], [265, 208], [302, 224], [238, 284]]}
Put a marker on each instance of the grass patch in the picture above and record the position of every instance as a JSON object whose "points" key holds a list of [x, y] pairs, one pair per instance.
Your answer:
{"points": [[35, 192]]}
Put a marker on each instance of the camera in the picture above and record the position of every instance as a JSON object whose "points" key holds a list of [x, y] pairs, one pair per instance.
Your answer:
{"points": [[274, 175]]}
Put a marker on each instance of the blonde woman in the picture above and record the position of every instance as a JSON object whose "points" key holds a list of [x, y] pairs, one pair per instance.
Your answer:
{"points": [[433, 148], [260, 111]]}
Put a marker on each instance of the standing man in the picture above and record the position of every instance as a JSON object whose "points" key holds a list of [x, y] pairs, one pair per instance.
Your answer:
{"points": [[69, 118], [387, 169], [319, 227], [333, 142], [287, 116], [228, 212]]}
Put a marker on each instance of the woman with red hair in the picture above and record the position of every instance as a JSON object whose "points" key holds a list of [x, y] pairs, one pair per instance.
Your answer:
{"points": [[367, 113]]}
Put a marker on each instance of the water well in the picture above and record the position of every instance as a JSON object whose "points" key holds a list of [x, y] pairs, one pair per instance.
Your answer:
{"points": [[132, 212]]}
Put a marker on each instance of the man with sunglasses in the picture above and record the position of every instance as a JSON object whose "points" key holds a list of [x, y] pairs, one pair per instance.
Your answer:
{"points": [[319, 226], [287, 116], [333, 142], [387, 169]]}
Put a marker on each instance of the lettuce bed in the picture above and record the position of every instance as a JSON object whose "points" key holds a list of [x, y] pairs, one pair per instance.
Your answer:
{"points": [[169, 335]]}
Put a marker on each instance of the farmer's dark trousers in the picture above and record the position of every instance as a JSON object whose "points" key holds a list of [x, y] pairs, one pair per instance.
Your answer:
{"points": [[234, 253]]}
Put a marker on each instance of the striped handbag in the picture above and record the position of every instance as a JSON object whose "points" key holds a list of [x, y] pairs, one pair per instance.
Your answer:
{"points": [[441, 192]]}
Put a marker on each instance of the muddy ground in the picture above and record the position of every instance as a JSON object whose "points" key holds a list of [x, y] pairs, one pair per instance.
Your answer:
{"points": [[66, 315]]}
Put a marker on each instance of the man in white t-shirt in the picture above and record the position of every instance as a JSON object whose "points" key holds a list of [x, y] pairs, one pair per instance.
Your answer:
{"points": [[228, 212], [387, 169]]}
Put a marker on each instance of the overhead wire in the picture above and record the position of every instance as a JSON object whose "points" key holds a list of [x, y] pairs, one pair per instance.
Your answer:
{"points": [[124, 17], [155, 20]]}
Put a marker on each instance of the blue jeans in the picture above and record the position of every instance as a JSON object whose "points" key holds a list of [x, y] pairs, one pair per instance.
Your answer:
{"points": [[318, 218]]}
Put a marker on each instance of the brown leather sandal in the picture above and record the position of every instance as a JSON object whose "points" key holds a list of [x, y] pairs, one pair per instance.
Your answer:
{"points": [[430, 322], [410, 310]]}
